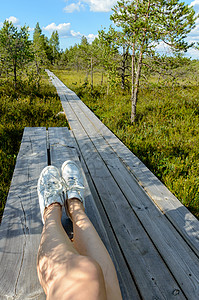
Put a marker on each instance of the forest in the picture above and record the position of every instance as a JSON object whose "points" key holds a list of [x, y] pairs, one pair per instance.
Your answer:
{"points": [[147, 98]]}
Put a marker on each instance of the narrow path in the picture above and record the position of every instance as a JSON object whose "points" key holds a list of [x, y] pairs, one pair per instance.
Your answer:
{"points": [[156, 234]]}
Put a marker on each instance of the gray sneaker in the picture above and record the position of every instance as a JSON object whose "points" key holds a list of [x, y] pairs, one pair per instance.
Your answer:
{"points": [[50, 188], [73, 180]]}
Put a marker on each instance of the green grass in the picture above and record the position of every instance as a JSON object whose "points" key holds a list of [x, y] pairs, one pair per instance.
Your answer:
{"points": [[166, 135], [19, 109], [76, 79]]}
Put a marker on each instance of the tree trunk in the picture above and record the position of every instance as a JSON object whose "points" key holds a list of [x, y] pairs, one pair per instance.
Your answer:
{"points": [[133, 109], [91, 73], [135, 87], [86, 78], [102, 78], [15, 75], [123, 69], [38, 74]]}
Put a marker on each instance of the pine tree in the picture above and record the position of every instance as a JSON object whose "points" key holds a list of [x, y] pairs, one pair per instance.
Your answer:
{"points": [[15, 48], [40, 56], [145, 23], [110, 55], [54, 44]]}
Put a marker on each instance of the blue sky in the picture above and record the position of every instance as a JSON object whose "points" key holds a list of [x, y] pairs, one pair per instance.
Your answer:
{"points": [[71, 18]]}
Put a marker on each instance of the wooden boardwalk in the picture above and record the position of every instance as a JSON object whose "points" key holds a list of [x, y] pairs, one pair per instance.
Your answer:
{"points": [[152, 238]]}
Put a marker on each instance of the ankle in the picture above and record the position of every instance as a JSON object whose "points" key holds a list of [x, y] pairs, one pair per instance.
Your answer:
{"points": [[75, 207], [53, 211]]}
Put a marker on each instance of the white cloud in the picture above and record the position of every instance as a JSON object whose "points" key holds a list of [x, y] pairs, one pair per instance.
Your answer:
{"points": [[73, 7], [195, 2], [192, 53], [76, 34], [100, 5], [63, 28], [14, 20], [91, 37], [193, 36], [31, 29], [195, 5], [94, 5]]}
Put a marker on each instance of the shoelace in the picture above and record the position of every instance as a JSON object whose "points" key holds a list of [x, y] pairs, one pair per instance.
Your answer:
{"points": [[57, 186], [72, 183], [53, 186]]}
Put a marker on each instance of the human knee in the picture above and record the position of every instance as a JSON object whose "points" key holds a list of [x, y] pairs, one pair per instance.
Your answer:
{"points": [[83, 281], [89, 268]]}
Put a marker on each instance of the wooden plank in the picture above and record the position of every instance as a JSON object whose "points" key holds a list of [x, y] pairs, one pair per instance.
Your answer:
{"points": [[63, 147], [146, 265], [176, 212], [157, 226], [59, 148], [21, 224], [94, 210], [186, 224]]}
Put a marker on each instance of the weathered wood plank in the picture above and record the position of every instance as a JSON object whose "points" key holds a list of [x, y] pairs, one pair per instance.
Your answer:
{"points": [[148, 268], [63, 147], [164, 236], [21, 224], [96, 213], [178, 214], [59, 149], [187, 272]]}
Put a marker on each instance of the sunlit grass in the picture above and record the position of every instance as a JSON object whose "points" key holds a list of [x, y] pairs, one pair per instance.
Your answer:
{"points": [[79, 78]]}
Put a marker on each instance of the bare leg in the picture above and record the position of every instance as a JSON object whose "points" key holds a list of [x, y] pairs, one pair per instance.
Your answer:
{"points": [[63, 273], [87, 242]]}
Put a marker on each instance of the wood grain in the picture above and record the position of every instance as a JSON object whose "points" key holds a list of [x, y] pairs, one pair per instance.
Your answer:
{"points": [[21, 224], [146, 265], [163, 235], [99, 218], [158, 236], [177, 214]]}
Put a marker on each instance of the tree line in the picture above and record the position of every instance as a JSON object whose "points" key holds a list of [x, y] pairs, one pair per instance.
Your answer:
{"points": [[121, 52], [20, 57]]}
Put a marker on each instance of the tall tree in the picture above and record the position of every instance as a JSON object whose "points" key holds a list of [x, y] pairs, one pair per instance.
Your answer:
{"points": [[144, 24], [95, 52], [54, 44], [109, 54], [84, 54], [15, 48], [40, 57]]}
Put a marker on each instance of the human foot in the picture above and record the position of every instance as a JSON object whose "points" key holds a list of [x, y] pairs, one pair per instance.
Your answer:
{"points": [[50, 188], [74, 182]]}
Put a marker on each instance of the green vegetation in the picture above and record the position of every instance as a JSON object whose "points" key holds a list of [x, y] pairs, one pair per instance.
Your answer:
{"points": [[166, 134], [26, 97], [143, 24], [18, 109], [118, 68]]}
